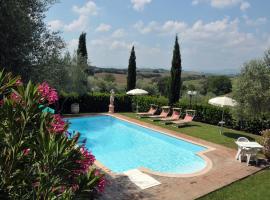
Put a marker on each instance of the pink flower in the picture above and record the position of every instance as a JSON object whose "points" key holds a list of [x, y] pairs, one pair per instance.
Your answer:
{"points": [[87, 160], [16, 98], [26, 151], [1, 102], [62, 189], [74, 187], [58, 125], [101, 184], [47, 93], [19, 82], [97, 172]]}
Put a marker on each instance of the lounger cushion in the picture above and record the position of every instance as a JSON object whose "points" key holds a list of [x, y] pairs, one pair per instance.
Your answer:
{"points": [[188, 118]]}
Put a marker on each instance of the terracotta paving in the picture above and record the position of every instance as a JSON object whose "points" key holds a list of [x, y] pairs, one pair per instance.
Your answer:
{"points": [[225, 170]]}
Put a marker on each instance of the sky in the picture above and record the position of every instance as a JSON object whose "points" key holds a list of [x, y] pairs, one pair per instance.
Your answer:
{"points": [[216, 36]]}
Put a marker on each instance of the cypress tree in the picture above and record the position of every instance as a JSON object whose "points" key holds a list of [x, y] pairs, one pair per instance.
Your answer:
{"points": [[131, 77], [176, 70], [82, 50]]}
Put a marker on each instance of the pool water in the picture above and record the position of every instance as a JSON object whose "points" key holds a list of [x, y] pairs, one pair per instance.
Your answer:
{"points": [[121, 146]]}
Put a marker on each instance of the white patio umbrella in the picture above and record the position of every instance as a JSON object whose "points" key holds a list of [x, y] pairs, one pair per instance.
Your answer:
{"points": [[221, 102], [136, 92]]}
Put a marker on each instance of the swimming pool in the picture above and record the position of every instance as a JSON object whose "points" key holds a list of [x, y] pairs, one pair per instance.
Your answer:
{"points": [[121, 146]]}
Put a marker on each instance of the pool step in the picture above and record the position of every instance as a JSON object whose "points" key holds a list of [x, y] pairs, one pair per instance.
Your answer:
{"points": [[140, 179]]}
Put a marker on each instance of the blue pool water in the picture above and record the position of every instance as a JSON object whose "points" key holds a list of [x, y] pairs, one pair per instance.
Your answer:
{"points": [[121, 146]]}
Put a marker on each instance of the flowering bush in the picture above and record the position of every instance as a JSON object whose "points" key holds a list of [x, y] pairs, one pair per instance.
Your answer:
{"points": [[265, 141], [39, 159]]}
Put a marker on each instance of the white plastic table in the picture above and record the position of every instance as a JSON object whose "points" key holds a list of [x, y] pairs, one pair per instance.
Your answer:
{"points": [[243, 145]]}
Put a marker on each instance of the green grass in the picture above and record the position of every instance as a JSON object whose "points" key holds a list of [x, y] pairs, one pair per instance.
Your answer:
{"points": [[252, 188], [204, 131], [255, 187]]}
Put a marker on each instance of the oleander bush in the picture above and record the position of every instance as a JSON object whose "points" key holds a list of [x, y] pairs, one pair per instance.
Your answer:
{"points": [[265, 141], [39, 159]]}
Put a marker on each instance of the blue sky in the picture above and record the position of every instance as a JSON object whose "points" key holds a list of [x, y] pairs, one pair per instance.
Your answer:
{"points": [[215, 35]]}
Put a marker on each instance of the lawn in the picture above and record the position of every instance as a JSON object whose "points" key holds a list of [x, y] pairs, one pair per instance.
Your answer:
{"points": [[204, 131], [253, 187]]}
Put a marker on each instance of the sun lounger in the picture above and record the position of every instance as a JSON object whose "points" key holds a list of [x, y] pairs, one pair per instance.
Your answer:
{"points": [[190, 114], [175, 116], [164, 113], [153, 109]]}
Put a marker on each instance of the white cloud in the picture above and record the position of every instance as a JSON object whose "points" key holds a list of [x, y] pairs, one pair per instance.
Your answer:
{"points": [[243, 5], [90, 8], [173, 27], [140, 4], [119, 33], [255, 22], [224, 3], [120, 45], [144, 29], [79, 24], [111, 44], [55, 25], [195, 2], [72, 45], [170, 26], [103, 28]]}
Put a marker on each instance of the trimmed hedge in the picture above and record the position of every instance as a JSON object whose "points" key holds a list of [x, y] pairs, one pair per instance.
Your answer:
{"points": [[98, 102]]}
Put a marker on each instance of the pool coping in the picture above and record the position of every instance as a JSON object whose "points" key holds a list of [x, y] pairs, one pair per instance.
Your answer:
{"points": [[207, 168]]}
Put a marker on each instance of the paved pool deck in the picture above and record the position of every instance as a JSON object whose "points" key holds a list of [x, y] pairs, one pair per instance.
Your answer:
{"points": [[224, 170]]}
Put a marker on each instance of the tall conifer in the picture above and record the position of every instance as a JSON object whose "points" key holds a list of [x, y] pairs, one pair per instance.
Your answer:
{"points": [[131, 77], [176, 69], [82, 50]]}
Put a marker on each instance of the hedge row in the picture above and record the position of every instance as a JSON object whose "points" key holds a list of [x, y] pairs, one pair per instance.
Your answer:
{"points": [[98, 102]]}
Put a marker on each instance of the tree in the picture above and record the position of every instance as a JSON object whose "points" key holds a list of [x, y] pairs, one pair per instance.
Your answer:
{"points": [[25, 40], [163, 85], [219, 85], [131, 77], [252, 90], [176, 70], [267, 57], [82, 50], [203, 86]]}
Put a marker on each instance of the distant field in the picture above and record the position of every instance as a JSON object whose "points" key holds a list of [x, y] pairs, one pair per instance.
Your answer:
{"points": [[120, 79]]}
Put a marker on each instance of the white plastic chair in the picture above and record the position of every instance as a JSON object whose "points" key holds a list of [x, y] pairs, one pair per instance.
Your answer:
{"points": [[251, 154], [242, 139], [241, 151]]}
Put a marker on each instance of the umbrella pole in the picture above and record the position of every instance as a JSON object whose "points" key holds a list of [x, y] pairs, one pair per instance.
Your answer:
{"points": [[222, 122]]}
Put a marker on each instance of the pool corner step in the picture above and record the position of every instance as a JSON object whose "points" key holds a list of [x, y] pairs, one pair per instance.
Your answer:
{"points": [[140, 179]]}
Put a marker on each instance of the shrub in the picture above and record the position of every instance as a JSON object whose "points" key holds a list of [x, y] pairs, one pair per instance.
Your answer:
{"points": [[94, 102], [265, 141], [39, 159], [145, 101]]}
